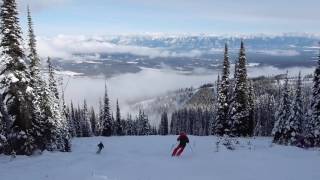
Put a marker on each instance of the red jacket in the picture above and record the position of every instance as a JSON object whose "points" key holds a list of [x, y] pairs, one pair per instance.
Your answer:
{"points": [[183, 138]]}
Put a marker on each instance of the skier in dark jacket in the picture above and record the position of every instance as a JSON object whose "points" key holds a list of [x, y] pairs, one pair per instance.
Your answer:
{"points": [[100, 146], [183, 138]]}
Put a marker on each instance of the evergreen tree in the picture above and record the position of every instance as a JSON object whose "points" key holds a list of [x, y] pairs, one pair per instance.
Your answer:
{"points": [[36, 84], [218, 86], [143, 126], [130, 131], [294, 124], [221, 126], [164, 128], [240, 111], [14, 82], [77, 122], [94, 122], [282, 116], [33, 57], [265, 110], [314, 124], [113, 124], [251, 101], [53, 85], [86, 123], [107, 119], [5, 119], [172, 123], [236, 64], [118, 126], [101, 120], [72, 124], [58, 137]]}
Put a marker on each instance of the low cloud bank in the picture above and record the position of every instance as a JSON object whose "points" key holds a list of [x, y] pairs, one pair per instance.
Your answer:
{"points": [[63, 46], [148, 83], [279, 52]]}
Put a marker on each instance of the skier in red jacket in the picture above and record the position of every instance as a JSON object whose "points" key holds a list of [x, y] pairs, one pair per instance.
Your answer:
{"points": [[183, 138]]}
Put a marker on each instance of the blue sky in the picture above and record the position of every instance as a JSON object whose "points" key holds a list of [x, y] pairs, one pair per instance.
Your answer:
{"points": [[98, 17]]}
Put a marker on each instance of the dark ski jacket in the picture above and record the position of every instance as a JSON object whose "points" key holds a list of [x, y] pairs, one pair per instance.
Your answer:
{"points": [[100, 145], [183, 138]]}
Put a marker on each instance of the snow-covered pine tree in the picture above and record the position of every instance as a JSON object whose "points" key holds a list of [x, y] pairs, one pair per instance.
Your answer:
{"points": [[314, 124], [293, 126], [36, 84], [172, 123], [282, 115], [57, 128], [3, 126], [251, 101], [208, 121], [77, 121], [85, 121], [154, 131], [52, 82], [124, 125], [72, 125], [100, 118], [143, 125], [265, 109], [221, 126], [14, 82], [107, 119], [240, 109], [32, 53], [113, 124], [218, 85], [94, 122], [129, 127], [165, 124], [196, 125], [163, 128], [235, 72], [118, 124], [5, 119], [134, 126]]}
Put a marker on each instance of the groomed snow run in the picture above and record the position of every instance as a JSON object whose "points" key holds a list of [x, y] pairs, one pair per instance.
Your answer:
{"points": [[148, 158]]}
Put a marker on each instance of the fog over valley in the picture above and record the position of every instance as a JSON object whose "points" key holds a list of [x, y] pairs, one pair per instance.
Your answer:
{"points": [[132, 88]]}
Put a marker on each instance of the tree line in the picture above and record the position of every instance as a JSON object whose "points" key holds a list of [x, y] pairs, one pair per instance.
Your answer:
{"points": [[288, 110], [84, 122]]}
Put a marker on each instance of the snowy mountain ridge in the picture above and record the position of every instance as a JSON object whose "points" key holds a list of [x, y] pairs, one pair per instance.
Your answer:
{"points": [[166, 45]]}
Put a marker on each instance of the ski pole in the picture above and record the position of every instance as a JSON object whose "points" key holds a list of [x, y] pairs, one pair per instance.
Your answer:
{"points": [[191, 149]]}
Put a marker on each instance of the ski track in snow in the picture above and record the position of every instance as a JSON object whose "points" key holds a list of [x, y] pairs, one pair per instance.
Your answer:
{"points": [[148, 158]]}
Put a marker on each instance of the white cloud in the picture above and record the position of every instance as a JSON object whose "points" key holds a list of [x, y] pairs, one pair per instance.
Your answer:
{"points": [[280, 52], [65, 46]]}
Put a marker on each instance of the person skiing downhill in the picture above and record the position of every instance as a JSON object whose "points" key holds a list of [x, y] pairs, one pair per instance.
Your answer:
{"points": [[100, 146], [183, 139]]}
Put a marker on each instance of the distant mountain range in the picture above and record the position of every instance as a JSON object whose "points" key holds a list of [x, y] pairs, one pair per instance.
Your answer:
{"points": [[110, 55], [209, 42]]}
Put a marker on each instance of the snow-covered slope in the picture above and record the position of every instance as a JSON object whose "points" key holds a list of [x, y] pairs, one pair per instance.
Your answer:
{"points": [[169, 102], [148, 158], [203, 98]]}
